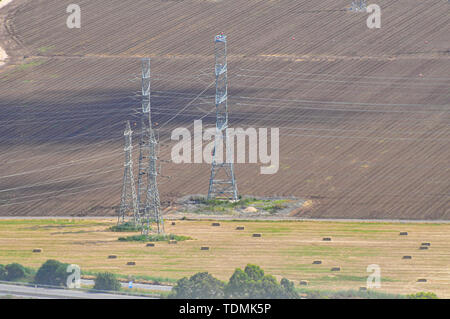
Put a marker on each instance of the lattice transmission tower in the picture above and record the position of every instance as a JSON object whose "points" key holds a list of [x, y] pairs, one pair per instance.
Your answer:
{"points": [[222, 184], [128, 203], [148, 195]]}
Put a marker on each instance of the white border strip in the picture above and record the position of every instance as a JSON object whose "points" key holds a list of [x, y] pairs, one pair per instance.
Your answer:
{"points": [[3, 55]]}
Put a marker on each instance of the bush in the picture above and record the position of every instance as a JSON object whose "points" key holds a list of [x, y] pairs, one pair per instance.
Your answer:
{"points": [[200, 286], [52, 272], [145, 238], [107, 281], [15, 271], [423, 295], [125, 227]]}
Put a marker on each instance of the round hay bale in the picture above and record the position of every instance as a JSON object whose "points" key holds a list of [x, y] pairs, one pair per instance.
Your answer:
{"points": [[150, 245], [407, 257], [240, 228], [256, 235], [172, 242], [317, 262], [426, 244], [112, 257], [336, 269], [421, 280], [326, 239], [423, 247], [303, 283], [215, 224], [404, 233], [204, 248], [131, 263], [37, 250]]}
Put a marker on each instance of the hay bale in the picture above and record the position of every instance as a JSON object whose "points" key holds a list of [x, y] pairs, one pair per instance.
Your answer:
{"points": [[407, 257], [173, 223], [131, 263], [37, 250], [404, 233], [326, 239], [426, 244], [112, 257], [423, 247], [317, 262], [150, 245], [215, 224], [204, 248], [303, 283], [240, 228], [421, 280], [172, 242], [336, 269], [256, 235]]}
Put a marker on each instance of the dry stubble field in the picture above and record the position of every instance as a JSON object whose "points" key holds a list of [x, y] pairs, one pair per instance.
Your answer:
{"points": [[286, 249]]}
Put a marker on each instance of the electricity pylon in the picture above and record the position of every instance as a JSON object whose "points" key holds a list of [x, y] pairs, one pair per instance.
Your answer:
{"points": [[148, 195], [222, 184], [128, 202]]}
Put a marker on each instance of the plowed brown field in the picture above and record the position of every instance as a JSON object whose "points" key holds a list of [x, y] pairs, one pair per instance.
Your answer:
{"points": [[363, 113]]}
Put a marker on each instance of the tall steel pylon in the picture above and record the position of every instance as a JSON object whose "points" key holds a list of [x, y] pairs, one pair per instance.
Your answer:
{"points": [[148, 195], [222, 184], [144, 155], [128, 202]]}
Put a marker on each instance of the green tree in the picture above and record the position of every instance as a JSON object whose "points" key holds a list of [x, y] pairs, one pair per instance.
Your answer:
{"points": [[15, 271], [200, 286], [52, 272], [107, 281], [3, 272], [252, 283]]}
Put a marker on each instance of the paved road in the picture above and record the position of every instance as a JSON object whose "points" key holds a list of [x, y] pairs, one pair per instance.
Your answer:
{"points": [[49, 293], [135, 285]]}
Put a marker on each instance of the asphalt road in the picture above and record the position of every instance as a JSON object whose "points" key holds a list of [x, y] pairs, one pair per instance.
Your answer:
{"points": [[135, 285], [49, 293]]}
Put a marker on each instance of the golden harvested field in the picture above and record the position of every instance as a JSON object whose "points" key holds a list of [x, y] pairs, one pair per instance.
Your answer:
{"points": [[286, 249]]}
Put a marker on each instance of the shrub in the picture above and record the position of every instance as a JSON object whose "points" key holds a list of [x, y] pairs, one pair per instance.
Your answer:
{"points": [[107, 281], [200, 286], [52, 272], [423, 295], [15, 271], [125, 227], [145, 238]]}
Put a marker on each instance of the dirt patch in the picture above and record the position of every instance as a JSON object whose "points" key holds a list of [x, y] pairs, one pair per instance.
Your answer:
{"points": [[248, 207]]}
